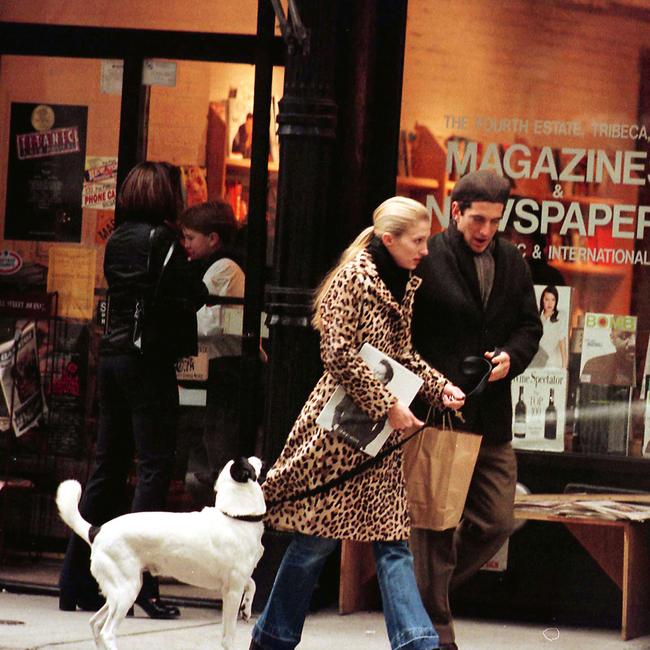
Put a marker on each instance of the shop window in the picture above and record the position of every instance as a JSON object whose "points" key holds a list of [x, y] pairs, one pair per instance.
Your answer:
{"points": [[518, 89]]}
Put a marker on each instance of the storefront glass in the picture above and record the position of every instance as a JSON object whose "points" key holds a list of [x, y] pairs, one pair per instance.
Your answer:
{"points": [[553, 96]]}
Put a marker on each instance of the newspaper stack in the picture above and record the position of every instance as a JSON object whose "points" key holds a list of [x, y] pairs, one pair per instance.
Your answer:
{"points": [[634, 507]]}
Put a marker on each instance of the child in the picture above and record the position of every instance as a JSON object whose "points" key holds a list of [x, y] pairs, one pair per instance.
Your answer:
{"points": [[208, 232]]}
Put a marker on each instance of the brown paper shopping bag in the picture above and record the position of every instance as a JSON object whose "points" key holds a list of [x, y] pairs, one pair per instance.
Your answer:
{"points": [[438, 467]]}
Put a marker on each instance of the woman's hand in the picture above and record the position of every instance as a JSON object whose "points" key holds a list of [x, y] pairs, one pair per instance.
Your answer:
{"points": [[452, 397], [401, 417]]}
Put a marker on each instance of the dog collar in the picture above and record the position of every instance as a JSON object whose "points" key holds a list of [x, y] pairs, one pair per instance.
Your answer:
{"points": [[245, 517]]}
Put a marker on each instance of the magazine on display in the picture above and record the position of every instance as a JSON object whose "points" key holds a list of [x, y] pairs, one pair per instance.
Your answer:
{"points": [[645, 393], [345, 419], [539, 394], [539, 408], [607, 376]]}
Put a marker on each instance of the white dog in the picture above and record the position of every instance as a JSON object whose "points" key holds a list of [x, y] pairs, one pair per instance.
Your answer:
{"points": [[216, 548]]}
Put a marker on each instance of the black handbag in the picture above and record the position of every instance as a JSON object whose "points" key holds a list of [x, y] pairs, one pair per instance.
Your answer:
{"points": [[164, 324]]}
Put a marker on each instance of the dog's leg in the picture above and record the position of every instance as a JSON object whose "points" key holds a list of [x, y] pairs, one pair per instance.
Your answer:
{"points": [[230, 607], [246, 606], [117, 611], [97, 620]]}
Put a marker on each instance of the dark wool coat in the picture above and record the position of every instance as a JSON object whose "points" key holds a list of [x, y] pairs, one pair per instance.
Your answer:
{"points": [[450, 323], [357, 308]]}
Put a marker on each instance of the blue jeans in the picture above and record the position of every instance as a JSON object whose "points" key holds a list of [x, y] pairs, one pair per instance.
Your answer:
{"points": [[280, 625]]}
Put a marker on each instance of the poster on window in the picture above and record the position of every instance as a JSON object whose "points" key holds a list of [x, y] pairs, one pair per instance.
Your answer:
{"points": [[539, 394], [20, 376], [45, 173], [100, 183]]}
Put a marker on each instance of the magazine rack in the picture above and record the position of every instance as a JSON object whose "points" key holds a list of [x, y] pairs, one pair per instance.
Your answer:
{"points": [[21, 472]]}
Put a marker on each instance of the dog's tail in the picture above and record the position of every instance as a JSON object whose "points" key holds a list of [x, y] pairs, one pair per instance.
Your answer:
{"points": [[67, 501]]}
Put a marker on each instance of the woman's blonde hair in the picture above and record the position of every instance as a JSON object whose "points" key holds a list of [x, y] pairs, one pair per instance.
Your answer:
{"points": [[395, 216]]}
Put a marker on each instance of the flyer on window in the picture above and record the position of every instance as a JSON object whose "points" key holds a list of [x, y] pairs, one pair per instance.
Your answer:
{"points": [[71, 273], [100, 183]]}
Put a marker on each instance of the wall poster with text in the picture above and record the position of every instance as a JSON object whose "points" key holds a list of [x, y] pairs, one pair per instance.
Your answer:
{"points": [[45, 175]]}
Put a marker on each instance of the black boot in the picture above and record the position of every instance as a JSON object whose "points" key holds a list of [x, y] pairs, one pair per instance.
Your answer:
{"points": [[149, 599], [156, 608], [70, 601]]}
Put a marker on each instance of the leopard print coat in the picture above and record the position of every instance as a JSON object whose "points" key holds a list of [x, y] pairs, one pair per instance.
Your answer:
{"points": [[357, 308]]}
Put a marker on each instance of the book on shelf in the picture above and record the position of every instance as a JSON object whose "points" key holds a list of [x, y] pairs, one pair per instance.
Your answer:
{"points": [[342, 417]]}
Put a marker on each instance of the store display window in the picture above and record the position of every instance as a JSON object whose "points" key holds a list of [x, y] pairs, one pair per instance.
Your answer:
{"points": [[554, 97]]}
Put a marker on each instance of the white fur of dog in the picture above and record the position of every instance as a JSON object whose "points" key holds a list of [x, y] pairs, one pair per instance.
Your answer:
{"points": [[211, 549]]}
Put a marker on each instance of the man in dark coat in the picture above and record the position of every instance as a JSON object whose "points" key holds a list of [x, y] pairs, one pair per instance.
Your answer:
{"points": [[476, 298]]}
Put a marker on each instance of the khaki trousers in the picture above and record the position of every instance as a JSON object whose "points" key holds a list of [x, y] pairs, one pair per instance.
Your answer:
{"points": [[445, 559]]}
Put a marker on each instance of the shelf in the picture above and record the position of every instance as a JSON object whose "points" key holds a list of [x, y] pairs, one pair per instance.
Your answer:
{"points": [[243, 165], [417, 182], [602, 270]]}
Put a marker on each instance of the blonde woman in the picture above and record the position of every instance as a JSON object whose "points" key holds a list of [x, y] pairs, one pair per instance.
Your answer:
{"points": [[367, 297]]}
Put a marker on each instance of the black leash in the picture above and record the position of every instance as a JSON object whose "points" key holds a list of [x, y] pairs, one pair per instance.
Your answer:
{"points": [[249, 518], [470, 366], [347, 475]]}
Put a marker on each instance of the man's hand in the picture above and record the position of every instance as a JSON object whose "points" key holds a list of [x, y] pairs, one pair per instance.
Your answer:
{"points": [[501, 361]]}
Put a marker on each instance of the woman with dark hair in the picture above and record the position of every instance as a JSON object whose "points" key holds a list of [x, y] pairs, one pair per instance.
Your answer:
{"points": [[148, 277], [552, 352]]}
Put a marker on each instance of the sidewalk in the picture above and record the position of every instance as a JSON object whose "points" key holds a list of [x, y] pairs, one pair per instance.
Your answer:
{"points": [[32, 622]]}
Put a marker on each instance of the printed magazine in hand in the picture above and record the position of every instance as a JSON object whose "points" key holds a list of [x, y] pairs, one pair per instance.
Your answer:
{"points": [[345, 419]]}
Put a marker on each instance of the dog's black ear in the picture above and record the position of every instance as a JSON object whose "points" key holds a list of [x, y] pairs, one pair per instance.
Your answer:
{"points": [[241, 470]]}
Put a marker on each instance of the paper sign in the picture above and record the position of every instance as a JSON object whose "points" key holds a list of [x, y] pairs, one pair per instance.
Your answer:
{"points": [[159, 73], [71, 273]]}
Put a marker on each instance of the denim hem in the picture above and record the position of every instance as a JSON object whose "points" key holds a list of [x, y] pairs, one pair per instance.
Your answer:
{"points": [[264, 638], [405, 640]]}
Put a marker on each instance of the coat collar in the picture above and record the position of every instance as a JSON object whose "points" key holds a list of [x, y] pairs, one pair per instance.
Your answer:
{"points": [[377, 285], [465, 260]]}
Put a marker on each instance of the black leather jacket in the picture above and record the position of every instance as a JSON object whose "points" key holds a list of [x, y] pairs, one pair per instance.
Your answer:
{"points": [[132, 275]]}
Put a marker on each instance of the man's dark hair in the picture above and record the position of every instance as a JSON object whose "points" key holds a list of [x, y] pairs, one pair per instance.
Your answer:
{"points": [[212, 216], [481, 185]]}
